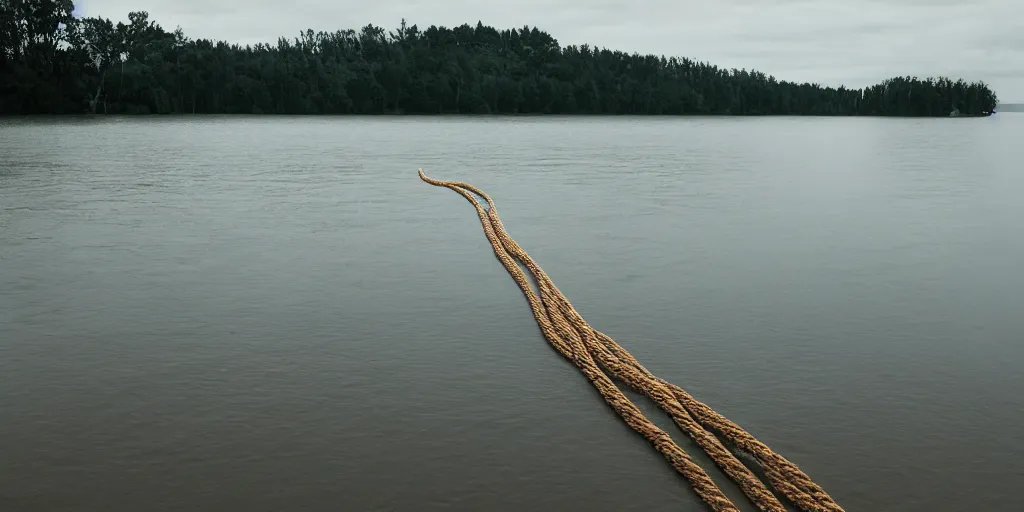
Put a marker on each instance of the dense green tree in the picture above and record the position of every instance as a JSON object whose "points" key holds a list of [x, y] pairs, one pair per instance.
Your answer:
{"points": [[52, 62]]}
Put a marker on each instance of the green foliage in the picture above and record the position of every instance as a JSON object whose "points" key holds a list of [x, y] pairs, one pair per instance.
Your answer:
{"points": [[51, 62]]}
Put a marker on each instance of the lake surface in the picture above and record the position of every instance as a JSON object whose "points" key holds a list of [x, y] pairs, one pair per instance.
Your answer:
{"points": [[274, 313]]}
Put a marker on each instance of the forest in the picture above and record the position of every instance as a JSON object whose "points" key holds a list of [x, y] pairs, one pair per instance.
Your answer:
{"points": [[53, 62]]}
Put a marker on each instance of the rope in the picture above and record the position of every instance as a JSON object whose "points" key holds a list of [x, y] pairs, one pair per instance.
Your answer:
{"points": [[595, 353]]}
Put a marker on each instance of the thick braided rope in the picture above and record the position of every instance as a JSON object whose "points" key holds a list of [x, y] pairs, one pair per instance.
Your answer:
{"points": [[568, 333], [783, 474], [798, 486]]}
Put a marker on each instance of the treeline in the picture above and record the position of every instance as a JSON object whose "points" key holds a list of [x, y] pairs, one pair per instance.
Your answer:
{"points": [[54, 62]]}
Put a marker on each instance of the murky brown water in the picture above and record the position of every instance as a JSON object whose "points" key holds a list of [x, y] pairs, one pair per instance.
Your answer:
{"points": [[265, 313]]}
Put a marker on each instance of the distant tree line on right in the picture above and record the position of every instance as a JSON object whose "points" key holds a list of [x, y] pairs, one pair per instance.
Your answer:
{"points": [[907, 96]]}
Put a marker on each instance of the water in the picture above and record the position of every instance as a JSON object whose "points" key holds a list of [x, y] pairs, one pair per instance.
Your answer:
{"points": [[236, 313]]}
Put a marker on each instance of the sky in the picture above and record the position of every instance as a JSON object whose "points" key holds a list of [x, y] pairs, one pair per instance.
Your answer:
{"points": [[832, 42]]}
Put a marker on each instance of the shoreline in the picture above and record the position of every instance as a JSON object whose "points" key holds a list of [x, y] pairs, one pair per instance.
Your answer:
{"points": [[512, 115]]}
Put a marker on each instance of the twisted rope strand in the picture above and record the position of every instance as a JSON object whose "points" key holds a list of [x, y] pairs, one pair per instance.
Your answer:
{"points": [[591, 351]]}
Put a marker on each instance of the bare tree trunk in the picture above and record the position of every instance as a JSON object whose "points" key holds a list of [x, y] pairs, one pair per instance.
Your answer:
{"points": [[96, 97]]}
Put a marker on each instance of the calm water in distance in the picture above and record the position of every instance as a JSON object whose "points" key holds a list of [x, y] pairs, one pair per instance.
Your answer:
{"points": [[274, 313]]}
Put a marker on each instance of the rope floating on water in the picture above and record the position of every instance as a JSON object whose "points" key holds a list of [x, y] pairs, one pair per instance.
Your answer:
{"points": [[600, 358]]}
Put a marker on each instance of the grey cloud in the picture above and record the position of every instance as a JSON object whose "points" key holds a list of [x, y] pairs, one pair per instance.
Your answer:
{"points": [[852, 42]]}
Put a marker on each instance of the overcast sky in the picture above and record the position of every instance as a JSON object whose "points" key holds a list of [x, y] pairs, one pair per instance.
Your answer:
{"points": [[834, 42]]}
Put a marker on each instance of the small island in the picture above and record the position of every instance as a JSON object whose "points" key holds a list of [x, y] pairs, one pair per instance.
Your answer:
{"points": [[52, 62]]}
